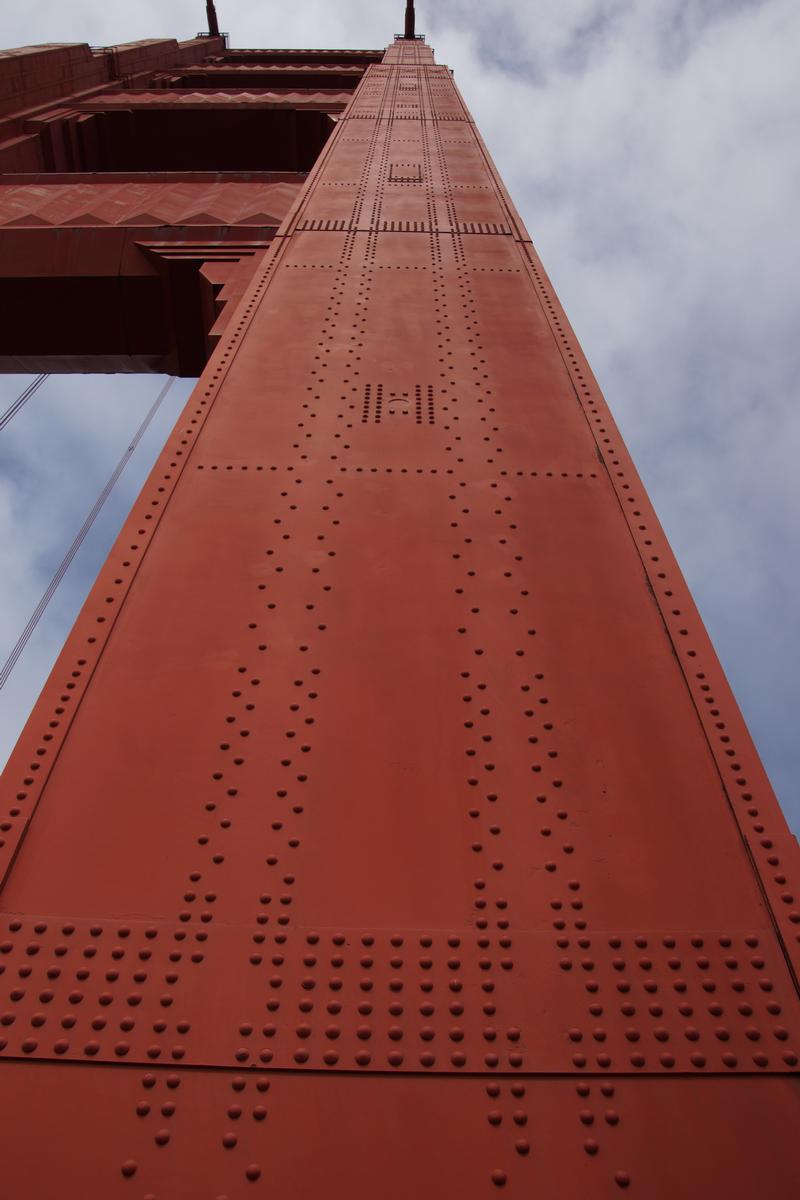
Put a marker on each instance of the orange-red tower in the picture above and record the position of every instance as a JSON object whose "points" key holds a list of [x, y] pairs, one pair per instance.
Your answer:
{"points": [[387, 825]]}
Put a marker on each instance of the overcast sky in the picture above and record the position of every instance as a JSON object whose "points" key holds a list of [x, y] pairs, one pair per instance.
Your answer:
{"points": [[652, 147]]}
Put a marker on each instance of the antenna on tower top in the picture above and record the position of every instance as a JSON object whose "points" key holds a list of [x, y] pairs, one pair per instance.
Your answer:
{"points": [[410, 32], [213, 23]]}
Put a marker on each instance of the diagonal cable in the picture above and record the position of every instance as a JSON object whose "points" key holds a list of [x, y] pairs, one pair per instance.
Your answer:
{"points": [[21, 400]]}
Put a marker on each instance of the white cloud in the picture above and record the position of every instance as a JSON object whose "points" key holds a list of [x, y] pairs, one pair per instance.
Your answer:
{"points": [[652, 148]]}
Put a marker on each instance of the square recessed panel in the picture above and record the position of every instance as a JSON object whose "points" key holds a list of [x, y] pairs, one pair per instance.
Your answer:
{"points": [[405, 172]]}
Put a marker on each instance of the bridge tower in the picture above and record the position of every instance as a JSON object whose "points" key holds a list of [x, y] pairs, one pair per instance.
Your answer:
{"points": [[387, 826]]}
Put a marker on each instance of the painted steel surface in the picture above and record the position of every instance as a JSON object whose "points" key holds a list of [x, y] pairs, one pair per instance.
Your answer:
{"points": [[390, 743], [129, 271]]}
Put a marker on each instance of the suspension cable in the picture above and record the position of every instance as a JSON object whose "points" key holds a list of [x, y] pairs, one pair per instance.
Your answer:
{"points": [[21, 400], [80, 537]]}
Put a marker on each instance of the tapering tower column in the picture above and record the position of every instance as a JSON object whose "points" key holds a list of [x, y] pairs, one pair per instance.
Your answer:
{"points": [[213, 23], [410, 31], [387, 826]]}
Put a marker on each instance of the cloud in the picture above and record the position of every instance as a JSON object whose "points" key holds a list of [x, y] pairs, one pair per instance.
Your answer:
{"points": [[651, 146]]}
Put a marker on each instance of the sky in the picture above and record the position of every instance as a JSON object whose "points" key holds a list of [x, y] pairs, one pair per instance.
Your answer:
{"points": [[652, 148]]}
